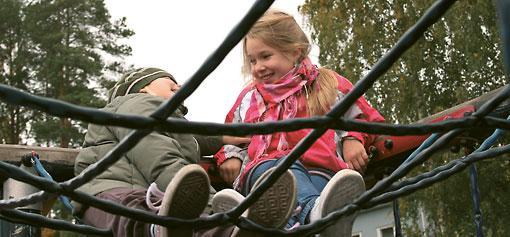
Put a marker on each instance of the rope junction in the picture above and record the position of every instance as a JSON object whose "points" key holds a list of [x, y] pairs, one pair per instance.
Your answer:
{"points": [[384, 191]]}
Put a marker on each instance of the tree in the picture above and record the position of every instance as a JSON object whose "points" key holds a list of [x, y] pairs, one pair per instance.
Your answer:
{"points": [[77, 44], [456, 60], [353, 35], [16, 68]]}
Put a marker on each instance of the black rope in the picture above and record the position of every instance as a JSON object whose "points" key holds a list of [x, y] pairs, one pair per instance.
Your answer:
{"points": [[396, 218], [14, 215], [439, 174], [237, 129]]}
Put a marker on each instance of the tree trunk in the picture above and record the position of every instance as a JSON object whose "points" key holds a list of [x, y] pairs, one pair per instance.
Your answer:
{"points": [[64, 137]]}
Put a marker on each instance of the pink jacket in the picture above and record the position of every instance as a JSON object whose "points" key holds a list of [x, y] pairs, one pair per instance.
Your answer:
{"points": [[325, 153]]}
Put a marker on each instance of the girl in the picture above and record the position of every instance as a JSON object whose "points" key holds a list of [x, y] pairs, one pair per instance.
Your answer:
{"points": [[285, 85]]}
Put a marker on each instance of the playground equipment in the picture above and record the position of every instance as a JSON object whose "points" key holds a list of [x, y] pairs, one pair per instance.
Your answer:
{"points": [[385, 151]]}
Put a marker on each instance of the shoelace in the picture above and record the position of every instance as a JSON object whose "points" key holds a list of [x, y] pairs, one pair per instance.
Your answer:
{"points": [[296, 225], [153, 189], [295, 213]]}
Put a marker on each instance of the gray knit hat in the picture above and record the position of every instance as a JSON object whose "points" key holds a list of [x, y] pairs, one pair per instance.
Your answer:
{"points": [[134, 81]]}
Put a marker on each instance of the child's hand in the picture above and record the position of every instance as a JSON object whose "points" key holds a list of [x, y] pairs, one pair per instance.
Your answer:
{"points": [[230, 140], [230, 169], [355, 155]]}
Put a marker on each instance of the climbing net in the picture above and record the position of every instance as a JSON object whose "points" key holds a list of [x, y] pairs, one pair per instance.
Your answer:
{"points": [[386, 190]]}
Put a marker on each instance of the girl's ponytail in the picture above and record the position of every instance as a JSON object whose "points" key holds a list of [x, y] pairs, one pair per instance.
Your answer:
{"points": [[323, 93]]}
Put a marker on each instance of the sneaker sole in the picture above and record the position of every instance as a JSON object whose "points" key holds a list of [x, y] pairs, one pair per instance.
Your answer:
{"points": [[185, 197], [226, 200], [351, 185], [275, 206]]}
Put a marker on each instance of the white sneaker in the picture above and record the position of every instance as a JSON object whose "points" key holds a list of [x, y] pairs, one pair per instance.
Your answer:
{"points": [[272, 209], [342, 189], [185, 197], [225, 200]]}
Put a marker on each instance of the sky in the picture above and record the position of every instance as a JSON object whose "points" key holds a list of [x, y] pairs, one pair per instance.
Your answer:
{"points": [[178, 36]]}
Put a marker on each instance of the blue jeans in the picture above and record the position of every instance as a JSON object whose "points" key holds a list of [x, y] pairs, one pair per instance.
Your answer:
{"points": [[309, 187]]}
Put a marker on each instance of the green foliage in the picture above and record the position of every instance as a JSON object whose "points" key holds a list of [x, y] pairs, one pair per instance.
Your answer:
{"points": [[73, 36], [457, 59], [16, 53], [47, 129], [60, 49]]}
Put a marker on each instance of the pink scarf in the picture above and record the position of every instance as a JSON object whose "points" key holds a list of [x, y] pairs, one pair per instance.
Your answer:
{"points": [[278, 101]]}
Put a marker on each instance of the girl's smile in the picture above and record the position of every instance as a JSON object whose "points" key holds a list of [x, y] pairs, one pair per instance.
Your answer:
{"points": [[266, 63]]}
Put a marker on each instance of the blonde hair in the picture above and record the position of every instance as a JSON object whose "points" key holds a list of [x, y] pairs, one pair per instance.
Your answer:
{"points": [[280, 31]]}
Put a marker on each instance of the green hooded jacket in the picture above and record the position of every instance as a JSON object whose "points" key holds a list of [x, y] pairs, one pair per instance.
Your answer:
{"points": [[156, 158]]}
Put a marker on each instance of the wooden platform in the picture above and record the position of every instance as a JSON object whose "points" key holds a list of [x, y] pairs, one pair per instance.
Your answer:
{"points": [[59, 162]]}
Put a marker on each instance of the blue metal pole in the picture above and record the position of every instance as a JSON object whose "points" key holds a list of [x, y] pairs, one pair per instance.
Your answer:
{"points": [[475, 195]]}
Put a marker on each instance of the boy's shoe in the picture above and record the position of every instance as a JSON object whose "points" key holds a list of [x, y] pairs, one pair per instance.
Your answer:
{"points": [[342, 189], [272, 209], [185, 197], [225, 200]]}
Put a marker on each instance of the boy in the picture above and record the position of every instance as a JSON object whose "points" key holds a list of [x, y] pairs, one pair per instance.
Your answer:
{"points": [[161, 161]]}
